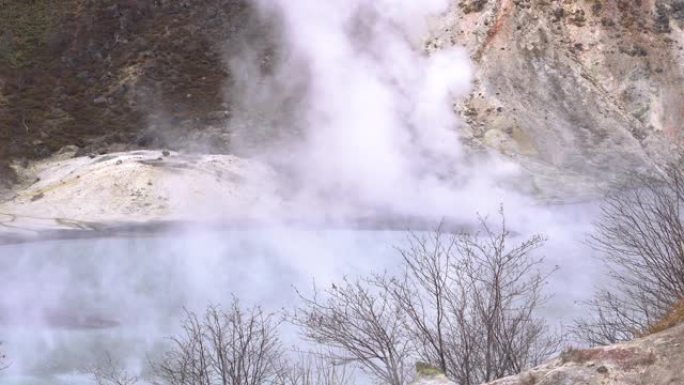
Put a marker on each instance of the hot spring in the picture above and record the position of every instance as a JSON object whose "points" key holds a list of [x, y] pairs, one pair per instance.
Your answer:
{"points": [[67, 304]]}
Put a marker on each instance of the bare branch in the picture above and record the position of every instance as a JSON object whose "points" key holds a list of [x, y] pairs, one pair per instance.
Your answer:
{"points": [[465, 304], [110, 372], [640, 235], [238, 347], [471, 302], [312, 368], [361, 323]]}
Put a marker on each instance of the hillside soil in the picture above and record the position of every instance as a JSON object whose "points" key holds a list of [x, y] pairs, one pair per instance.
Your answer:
{"points": [[106, 75]]}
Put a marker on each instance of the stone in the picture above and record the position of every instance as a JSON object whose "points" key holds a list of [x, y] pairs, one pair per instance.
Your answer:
{"points": [[657, 359], [429, 375]]}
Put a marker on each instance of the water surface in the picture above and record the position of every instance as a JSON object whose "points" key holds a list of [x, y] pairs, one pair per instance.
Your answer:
{"points": [[66, 303]]}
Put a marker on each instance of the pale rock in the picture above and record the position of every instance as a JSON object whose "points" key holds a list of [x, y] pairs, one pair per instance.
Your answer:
{"points": [[428, 375], [589, 89], [67, 192], [654, 360]]}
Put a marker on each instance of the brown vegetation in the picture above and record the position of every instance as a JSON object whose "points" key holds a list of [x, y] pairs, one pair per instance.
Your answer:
{"points": [[671, 319], [237, 346], [89, 73], [624, 358]]}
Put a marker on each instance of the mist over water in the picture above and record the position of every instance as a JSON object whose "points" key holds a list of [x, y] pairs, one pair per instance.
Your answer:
{"points": [[68, 303], [372, 133]]}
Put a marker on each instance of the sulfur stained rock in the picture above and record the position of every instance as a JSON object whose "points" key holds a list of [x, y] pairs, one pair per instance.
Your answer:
{"points": [[560, 70], [428, 375], [654, 360]]}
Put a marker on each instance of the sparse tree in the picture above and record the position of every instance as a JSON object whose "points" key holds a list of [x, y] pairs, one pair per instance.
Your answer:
{"points": [[361, 323], [471, 299], [640, 235], [237, 347], [312, 368], [110, 372], [465, 304]]}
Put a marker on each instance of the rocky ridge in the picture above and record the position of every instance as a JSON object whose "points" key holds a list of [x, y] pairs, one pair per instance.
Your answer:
{"points": [[654, 360], [576, 91], [137, 187]]}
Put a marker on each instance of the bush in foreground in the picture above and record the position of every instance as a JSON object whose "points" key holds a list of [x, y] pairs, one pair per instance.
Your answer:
{"points": [[640, 235]]}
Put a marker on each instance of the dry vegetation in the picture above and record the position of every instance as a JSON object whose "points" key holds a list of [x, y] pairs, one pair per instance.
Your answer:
{"points": [[640, 235], [624, 358], [465, 304], [361, 323], [241, 346], [97, 73], [673, 318], [111, 372], [236, 346]]}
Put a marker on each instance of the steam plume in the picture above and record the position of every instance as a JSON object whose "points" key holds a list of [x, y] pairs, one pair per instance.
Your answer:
{"points": [[376, 112]]}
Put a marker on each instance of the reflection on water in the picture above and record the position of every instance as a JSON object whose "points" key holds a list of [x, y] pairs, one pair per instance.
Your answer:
{"points": [[65, 303]]}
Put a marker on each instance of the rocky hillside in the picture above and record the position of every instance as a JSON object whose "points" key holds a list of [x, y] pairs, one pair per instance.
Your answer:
{"points": [[114, 74], [654, 360], [574, 90]]}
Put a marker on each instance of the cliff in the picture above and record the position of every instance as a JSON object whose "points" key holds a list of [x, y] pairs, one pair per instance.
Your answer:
{"points": [[575, 91]]}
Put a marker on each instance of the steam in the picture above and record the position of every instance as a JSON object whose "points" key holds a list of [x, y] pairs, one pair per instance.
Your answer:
{"points": [[374, 129], [357, 118]]}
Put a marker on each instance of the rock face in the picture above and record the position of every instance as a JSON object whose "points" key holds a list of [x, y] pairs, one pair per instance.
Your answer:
{"points": [[135, 187], [574, 90], [655, 360]]}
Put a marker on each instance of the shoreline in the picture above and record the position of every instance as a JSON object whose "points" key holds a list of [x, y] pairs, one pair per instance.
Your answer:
{"points": [[94, 230]]}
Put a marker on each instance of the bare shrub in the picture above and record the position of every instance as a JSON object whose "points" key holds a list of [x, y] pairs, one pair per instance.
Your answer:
{"points": [[470, 300], [110, 372], [362, 324], [464, 304], [640, 235], [237, 346], [313, 368]]}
